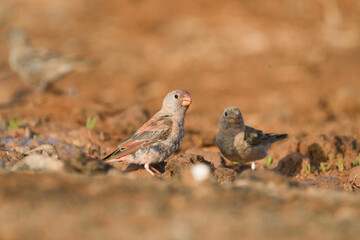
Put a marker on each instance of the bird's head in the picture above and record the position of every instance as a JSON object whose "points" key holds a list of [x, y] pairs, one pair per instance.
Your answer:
{"points": [[231, 118], [176, 102], [17, 37]]}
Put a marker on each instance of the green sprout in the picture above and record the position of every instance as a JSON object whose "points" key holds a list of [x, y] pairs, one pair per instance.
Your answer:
{"points": [[90, 122], [89, 150], [359, 160], [353, 164], [308, 168], [325, 169], [15, 123], [268, 160], [341, 164], [78, 144]]}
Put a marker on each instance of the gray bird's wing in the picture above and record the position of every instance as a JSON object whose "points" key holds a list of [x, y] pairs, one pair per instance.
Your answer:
{"points": [[253, 136]]}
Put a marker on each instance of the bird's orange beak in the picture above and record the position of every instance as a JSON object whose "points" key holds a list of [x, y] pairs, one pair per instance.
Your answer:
{"points": [[186, 101], [233, 120]]}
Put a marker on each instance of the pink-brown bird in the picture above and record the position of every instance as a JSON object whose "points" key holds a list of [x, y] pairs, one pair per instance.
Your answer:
{"points": [[159, 137]]}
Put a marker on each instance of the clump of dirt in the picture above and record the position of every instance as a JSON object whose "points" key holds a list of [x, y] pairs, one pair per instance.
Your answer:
{"points": [[225, 175], [354, 179], [330, 149], [294, 164], [86, 165], [176, 165]]}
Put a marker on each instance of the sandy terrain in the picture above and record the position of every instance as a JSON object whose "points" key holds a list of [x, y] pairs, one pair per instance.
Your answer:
{"points": [[291, 67]]}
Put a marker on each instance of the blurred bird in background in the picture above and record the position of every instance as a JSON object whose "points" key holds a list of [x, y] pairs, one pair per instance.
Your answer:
{"points": [[37, 66]]}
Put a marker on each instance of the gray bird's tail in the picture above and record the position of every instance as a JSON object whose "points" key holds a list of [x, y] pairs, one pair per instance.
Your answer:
{"points": [[277, 137]]}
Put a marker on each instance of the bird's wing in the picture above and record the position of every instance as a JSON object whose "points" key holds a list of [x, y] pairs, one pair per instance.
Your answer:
{"points": [[154, 130], [253, 136], [45, 54], [35, 58]]}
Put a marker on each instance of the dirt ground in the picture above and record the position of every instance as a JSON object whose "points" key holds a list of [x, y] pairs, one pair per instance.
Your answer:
{"points": [[290, 66]]}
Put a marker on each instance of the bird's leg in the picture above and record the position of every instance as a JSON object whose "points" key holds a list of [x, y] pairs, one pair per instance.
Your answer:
{"points": [[41, 87], [237, 167], [253, 165], [155, 170], [147, 167]]}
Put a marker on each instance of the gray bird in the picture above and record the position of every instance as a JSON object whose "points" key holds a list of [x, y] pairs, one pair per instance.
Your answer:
{"points": [[240, 143], [38, 66]]}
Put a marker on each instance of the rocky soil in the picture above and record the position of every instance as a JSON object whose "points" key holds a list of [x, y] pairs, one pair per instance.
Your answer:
{"points": [[291, 67]]}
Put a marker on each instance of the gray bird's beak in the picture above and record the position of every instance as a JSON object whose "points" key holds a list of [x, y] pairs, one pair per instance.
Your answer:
{"points": [[233, 120]]}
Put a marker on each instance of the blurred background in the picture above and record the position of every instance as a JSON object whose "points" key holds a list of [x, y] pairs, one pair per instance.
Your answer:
{"points": [[288, 65]]}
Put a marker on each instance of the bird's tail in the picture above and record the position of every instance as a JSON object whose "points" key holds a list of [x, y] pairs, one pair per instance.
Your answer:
{"points": [[277, 137], [113, 157], [107, 157], [112, 160]]}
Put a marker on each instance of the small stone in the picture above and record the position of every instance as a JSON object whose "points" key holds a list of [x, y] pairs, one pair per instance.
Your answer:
{"points": [[200, 172], [38, 162], [253, 166]]}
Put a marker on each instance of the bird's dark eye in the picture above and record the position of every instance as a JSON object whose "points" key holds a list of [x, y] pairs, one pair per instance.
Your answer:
{"points": [[225, 114], [176, 96]]}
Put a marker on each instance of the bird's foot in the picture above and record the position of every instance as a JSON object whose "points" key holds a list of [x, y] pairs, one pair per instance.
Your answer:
{"points": [[155, 170], [147, 168], [151, 170], [253, 166]]}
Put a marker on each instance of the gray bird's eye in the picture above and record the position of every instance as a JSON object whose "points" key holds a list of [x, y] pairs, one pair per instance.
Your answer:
{"points": [[225, 114], [176, 96]]}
